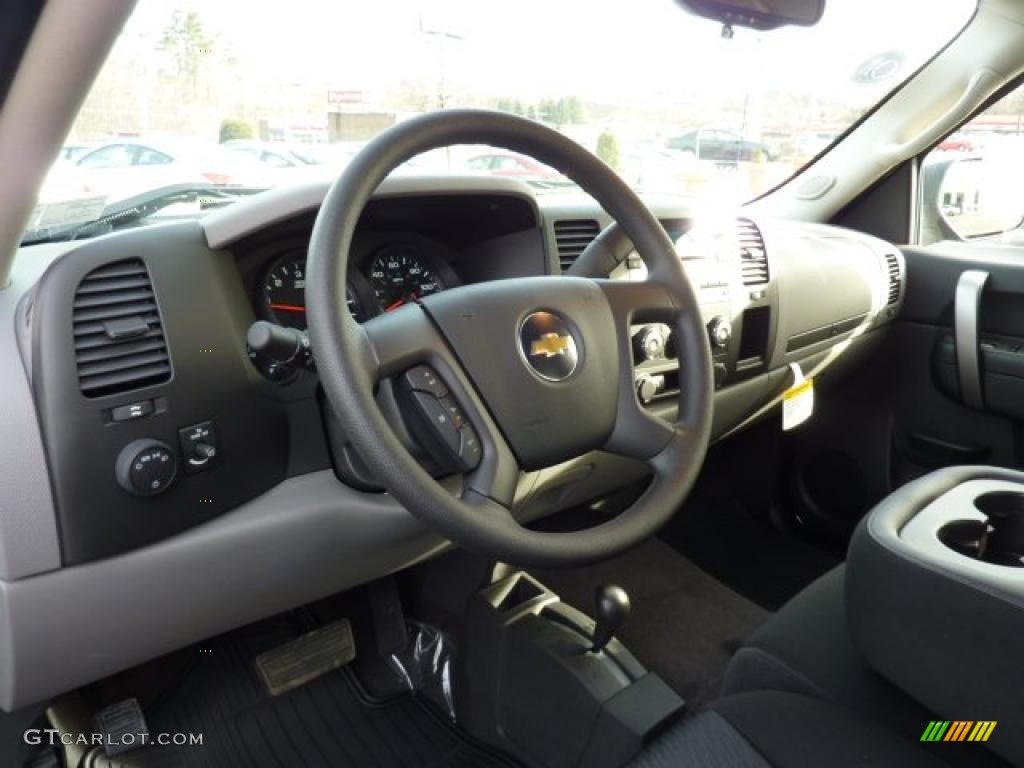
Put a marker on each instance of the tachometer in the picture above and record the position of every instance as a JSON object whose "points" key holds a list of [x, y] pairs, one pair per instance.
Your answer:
{"points": [[399, 274], [285, 291]]}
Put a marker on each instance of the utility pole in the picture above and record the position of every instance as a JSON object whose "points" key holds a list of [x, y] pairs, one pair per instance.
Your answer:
{"points": [[442, 35]]}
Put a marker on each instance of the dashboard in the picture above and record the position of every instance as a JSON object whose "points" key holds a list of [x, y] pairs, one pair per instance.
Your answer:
{"points": [[172, 477]]}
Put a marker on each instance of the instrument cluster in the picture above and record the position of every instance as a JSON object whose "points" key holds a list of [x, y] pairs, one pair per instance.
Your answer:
{"points": [[387, 275]]}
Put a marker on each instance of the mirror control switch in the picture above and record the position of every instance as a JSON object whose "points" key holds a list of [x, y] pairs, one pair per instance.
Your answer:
{"points": [[198, 446]]}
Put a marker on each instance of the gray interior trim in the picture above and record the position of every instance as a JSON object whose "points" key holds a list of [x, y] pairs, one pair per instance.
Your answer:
{"points": [[28, 522], [252, 214], [912, 604], [920, 535], [309, 537], [968, 301], [932, 104]]}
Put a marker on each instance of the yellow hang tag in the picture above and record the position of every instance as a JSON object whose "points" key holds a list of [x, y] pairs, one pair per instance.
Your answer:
{"points": [[798, 400]]}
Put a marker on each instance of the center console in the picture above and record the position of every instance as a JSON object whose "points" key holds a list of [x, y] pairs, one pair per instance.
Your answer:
{"points": [[935, 596], [544, 682]]}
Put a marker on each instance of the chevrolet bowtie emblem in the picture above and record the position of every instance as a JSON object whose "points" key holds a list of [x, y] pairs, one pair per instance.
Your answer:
{"points": [[550, 344]]}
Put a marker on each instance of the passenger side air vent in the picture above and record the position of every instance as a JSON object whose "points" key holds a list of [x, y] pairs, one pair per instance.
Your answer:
{"points": [[119, 339], [892, 263], [572, 236], [753, 257]]}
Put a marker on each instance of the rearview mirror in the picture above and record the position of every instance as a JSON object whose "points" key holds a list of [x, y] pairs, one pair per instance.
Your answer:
{"points": [[758, 14]]}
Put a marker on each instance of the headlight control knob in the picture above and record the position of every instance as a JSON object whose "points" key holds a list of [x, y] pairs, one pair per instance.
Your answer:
{"points": [[146, 467], [720, 331], [649, 344]]}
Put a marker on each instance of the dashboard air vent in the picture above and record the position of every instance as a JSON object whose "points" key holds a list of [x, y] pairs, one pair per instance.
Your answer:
{"points": [[753, 257], [572, 236], [892, 263], [119, 339]]}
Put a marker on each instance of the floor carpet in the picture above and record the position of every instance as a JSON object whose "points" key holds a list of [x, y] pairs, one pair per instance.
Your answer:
{"points": [[684, 625]]}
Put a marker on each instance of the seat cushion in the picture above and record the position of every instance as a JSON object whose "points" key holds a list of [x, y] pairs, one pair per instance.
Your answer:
{"points": [[782, 729], [806, 648]]}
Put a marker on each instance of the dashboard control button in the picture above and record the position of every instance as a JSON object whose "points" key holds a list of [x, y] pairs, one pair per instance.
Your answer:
{"points": [[146, 467], [423, 378], [720, 331], [648, 387], [469, 449], [649, 344], [441, 421], [198, 446], [132, 411], [453, 410]]}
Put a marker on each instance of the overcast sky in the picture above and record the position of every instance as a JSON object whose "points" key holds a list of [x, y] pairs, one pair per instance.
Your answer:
{"points": [[606, 49]]}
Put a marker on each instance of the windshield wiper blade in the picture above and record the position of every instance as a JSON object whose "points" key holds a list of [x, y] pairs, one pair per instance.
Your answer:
{"points": [[134, 209]]}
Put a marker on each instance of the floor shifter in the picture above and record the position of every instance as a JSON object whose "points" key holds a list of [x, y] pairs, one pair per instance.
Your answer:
{"points": [[611, 609], [542, 680]]}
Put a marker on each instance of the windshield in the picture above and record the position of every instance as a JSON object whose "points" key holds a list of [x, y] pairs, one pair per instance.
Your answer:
{"points": [[215, 100]]}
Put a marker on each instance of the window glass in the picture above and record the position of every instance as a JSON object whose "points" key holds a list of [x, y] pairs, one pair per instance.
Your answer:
{"points": [[276, 160], [196, 74], [115, 156], [147, 156]]}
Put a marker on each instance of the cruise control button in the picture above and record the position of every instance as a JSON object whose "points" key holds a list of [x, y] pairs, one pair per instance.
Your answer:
{"points": [[440, 420], [423, 378], [469, 449], [454, 411]]}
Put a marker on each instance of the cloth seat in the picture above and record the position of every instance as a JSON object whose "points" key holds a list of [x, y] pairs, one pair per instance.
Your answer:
{"points": [[798, 693], [781, 729]]}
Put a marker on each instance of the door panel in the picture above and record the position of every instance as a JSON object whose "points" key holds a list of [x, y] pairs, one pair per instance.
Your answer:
{"points": [[904, 414]]}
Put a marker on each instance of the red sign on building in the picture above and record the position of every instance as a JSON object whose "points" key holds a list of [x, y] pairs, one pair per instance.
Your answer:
{"points": [[344, 97]]}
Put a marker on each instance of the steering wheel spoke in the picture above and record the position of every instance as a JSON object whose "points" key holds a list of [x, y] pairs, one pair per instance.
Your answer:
{"points": [[403, 340], [637, 433], [396, 341]]}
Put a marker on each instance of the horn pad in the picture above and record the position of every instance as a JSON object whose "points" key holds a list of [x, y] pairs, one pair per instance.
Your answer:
{"points": [[542, 352]]}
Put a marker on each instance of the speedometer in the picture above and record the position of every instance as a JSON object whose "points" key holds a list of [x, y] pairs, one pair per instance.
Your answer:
{"points": [[285, 290], [400, 274]]}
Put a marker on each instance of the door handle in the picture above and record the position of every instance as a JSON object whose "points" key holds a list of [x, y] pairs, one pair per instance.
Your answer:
{"points": [[967, 303]]}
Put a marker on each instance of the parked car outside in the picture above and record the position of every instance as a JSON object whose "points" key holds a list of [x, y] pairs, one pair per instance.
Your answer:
{"points": [[514, 165], [721, 146], [122, 168], [275, 155], [957, 142], [71, 152]]}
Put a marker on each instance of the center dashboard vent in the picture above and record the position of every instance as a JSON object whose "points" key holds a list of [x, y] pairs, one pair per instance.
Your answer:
{"points": [[118, 337], [892, 264], [753, 256], [572, 236]]}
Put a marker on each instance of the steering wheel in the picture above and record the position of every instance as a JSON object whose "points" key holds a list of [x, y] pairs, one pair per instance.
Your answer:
{"points": [[541, 367]]}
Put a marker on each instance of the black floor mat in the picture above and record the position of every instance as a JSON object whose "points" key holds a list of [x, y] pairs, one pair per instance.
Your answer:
{"points": [[748, 554], [684, 625], [326, 723]]}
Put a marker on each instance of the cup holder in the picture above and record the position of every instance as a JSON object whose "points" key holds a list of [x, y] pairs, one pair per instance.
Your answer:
{"points": [[999, 539]]}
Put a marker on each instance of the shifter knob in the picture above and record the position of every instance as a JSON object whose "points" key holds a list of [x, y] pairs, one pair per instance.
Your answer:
{"points": [[611, 608]]}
